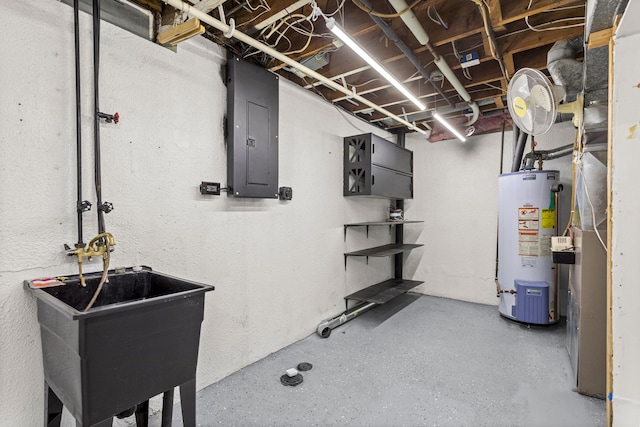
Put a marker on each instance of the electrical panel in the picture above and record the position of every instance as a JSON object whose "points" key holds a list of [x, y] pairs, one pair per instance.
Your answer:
{"points": [[374, 166], [252, 130]]}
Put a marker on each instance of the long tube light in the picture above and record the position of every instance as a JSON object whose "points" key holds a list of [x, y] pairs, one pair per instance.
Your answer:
{"points": [[448, 126], [339, 32]]}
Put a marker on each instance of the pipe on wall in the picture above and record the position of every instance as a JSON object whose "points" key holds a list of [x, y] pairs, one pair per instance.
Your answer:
{"points": [[80, 204], [240, 36], [519, 151]]}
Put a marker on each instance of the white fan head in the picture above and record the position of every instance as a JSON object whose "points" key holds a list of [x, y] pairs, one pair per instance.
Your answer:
{"points": [[532, 101]]}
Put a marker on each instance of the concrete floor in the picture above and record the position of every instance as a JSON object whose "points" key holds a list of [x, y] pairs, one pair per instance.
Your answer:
{"points": [[415, 361]]}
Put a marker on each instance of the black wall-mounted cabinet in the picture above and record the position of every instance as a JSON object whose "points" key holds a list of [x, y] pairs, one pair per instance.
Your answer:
{"points": [[252, 130], [376, 167]]}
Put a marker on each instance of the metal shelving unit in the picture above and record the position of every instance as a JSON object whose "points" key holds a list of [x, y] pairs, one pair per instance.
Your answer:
{"points": [[383, 291], [376, 223], [381, 251], [376, 167]]}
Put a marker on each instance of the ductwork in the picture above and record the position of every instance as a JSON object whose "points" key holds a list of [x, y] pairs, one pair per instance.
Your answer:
{"points": [[565, 70]]}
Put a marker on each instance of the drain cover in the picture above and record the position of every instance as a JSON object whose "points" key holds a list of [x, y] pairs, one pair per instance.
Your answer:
{"points": [[292, 381], [304, 366]]}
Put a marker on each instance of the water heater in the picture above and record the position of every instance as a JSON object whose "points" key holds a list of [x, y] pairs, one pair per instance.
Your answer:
{"points": [[527, 280]]}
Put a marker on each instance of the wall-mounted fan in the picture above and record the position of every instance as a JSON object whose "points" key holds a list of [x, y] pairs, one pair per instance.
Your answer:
{"points": [[534, 102]]}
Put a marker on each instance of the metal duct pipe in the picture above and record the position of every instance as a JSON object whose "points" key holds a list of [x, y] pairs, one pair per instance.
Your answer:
{"points": [[195, 13], [517, 157], [391, 35], [400, 5], [565, 70]]}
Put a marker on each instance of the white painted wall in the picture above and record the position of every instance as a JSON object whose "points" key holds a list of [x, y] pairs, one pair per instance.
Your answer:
{"points": [[456, 193], [277, 266], [625, 251]]}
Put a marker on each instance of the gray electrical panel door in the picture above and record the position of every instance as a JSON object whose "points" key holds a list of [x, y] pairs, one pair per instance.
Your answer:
{"points": [[252, 133]]}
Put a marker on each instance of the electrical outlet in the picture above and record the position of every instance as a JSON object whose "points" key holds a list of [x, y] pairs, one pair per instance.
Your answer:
{"points": [[210, 188], [285, 193]]}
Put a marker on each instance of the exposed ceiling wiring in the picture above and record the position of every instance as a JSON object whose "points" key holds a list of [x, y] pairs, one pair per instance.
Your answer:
{"points": [[538, 28], [438, 19]]}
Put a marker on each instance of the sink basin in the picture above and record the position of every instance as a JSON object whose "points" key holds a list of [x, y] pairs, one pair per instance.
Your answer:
{"points": [[140, 339], [124, 291]]}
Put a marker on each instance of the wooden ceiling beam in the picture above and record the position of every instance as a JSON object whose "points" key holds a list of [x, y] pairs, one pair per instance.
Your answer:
{"points": [[495, 15], [515, 10], [530, 39]]}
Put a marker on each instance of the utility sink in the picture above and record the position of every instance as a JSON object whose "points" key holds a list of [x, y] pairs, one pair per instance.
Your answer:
{"points": [[139, 339]]}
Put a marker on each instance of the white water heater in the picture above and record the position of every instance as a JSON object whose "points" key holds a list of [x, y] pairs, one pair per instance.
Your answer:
{"points": [[527, 280]]}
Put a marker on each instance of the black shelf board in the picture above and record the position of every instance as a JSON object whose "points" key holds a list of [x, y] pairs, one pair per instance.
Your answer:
{"points": [[385, 250], [376, 223], [384, 291], [356, 224]]}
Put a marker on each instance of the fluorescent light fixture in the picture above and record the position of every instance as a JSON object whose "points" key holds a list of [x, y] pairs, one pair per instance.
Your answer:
{"points": [[448, 126], [339, 32]]}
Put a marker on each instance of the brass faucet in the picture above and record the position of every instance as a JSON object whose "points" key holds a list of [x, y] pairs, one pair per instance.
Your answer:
{"points": [[98, 246]]}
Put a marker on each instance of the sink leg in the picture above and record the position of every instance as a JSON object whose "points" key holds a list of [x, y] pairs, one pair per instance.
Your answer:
{"points": [[142, 414], [188, 400], [167, 408], [52, 407]]}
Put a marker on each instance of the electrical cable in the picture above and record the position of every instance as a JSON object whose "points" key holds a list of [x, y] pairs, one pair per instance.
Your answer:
{"points": [[106, 256], [438, 19], [538, 29], [593, 212]]}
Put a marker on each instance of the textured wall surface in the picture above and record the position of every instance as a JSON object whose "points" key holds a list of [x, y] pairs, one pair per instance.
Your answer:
{"points": [[625, 204], [277, 266]]}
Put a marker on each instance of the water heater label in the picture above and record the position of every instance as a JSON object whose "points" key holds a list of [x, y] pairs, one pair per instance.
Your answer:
{"points": [[528, 213], [548, 219], [528, 225], [529, 262], [528, 243], [545, 245]]}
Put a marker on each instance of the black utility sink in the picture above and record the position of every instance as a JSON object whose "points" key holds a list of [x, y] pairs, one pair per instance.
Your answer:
{"points": [[139, 339]]}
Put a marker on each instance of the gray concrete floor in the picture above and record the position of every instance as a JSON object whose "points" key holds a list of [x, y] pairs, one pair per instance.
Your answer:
{"points": [[415, 361]]}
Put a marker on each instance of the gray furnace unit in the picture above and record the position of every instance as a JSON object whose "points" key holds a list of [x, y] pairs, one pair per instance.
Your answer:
{"points": [[252, 130]]}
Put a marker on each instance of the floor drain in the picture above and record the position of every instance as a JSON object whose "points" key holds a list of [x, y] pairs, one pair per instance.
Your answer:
{"points": [[292, 381], [304, 366]]}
